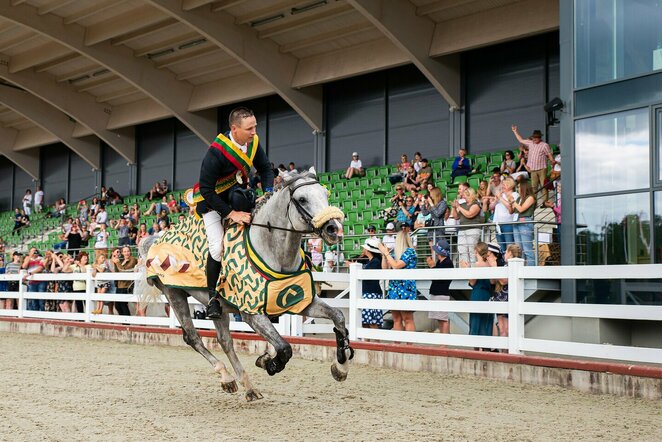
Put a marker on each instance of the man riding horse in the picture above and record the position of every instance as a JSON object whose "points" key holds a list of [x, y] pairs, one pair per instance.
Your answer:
{"points": [[223, 191]]}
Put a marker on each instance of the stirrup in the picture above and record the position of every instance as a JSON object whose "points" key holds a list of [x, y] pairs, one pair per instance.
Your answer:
{"points": [[214, 310]]}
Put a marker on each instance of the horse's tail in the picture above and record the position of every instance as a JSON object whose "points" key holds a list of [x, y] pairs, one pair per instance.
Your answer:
{"points": [[145, 288]]}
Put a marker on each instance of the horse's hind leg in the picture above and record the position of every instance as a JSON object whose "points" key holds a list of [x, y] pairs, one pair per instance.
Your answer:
{"points": [[178, 302], [320, 309], [271, 363], [225, 339]]}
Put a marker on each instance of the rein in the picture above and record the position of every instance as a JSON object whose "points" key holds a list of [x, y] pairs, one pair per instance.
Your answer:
{"points": [[308, 218]]}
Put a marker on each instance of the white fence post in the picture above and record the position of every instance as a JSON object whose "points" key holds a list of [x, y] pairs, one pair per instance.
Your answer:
{"points": [[354, 295], [296, 324], [172, 323], [21, 293], [89, 291], [515, 301]]}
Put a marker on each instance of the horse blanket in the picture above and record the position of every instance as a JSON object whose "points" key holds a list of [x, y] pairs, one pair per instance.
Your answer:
{"points": [[178, 258]]}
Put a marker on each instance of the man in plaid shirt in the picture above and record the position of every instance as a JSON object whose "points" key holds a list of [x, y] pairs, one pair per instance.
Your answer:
{"points": [[539, 152]]}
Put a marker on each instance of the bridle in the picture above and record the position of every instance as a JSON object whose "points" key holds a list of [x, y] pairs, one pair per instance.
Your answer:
{"points": [[307, 217]]}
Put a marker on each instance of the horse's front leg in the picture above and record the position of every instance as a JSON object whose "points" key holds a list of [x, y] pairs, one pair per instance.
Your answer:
{"points": [[271, 363], [344, 352]]}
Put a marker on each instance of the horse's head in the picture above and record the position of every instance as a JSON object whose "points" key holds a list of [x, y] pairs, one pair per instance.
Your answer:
{"points": [[308, 206]]}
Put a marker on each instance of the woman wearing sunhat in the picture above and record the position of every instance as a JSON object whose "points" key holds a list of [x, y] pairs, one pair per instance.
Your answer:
{"points": [[439, 289], [355, 167], [372, 318]]}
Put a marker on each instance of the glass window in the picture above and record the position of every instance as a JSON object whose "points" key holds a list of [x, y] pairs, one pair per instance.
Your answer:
{"points": [[616, 39], [659, 144], [657, 227], [612, 152], [613, 229]]}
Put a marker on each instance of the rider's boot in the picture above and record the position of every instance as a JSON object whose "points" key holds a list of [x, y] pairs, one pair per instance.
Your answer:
{"points": [[214, 310]]}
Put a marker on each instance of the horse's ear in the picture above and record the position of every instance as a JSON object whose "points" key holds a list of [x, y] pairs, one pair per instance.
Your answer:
{"points": [[312, 170]]}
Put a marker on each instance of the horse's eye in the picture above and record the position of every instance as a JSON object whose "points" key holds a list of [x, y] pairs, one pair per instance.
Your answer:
{"points": [[302, 200]]}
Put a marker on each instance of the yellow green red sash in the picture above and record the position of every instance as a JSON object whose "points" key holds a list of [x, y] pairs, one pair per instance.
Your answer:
{"points": [[243, 162]]}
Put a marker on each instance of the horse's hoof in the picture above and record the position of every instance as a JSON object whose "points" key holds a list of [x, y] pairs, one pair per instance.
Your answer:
{"points": [[253, 395], [261, 361], [229, 387], [274, 366], [337, 374]]}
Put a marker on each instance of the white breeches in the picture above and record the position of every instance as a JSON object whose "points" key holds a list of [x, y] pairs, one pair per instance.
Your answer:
{"points": [[214, 228]]}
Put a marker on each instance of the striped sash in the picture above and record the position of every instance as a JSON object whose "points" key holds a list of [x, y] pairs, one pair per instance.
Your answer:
{"points": [[243, 162]]}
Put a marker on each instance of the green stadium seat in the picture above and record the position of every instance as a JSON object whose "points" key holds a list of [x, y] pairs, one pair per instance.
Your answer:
{"points": [[352, 216], [446, 176], [458, 180], [496, 158], [481, 162], [474, 182]]}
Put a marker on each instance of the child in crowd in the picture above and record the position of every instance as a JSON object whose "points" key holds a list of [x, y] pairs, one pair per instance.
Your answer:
{"points": [[439, 289]]}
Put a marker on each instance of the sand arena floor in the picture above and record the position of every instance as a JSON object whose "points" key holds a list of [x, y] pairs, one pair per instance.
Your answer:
{"points": [[59, 389]]}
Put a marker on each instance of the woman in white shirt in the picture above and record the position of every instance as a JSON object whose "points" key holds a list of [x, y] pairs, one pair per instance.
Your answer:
{"points": [[27, 202], [101, 237], [355, 167], [503, 212], [315, 250]]}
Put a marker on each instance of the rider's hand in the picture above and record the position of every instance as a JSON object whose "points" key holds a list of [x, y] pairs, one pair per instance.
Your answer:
{"points": [[240, 217]]}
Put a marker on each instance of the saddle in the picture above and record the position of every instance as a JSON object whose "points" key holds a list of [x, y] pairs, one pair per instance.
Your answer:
{"points": [[178, 259]]}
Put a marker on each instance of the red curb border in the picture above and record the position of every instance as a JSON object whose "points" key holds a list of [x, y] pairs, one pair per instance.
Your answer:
{"points": [[569, 364]]}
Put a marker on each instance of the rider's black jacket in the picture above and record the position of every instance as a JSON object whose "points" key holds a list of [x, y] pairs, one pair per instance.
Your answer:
{"points": [[215, 166]]}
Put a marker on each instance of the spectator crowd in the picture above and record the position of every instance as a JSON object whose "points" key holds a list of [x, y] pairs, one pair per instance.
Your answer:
{"points": [[85, 246], [489, 219]]}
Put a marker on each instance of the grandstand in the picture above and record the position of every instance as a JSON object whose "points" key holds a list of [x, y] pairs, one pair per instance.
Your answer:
{"points": [[99, 93], [362, 200]]}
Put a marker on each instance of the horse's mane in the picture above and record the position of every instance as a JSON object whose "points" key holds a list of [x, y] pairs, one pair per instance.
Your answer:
{"points": [[287, 182]]}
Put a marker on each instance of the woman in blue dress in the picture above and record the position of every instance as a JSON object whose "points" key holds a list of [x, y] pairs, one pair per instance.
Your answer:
{"points": [[404, 258], [480, 323], [372, 318]]}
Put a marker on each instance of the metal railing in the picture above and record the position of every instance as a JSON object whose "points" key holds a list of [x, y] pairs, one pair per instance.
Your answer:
{"points": [[545, 244]]}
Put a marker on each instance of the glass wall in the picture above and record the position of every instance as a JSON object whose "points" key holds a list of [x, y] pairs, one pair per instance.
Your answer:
{"points": [[614, 229], [616, 39], [612, 152], [657, 227]]}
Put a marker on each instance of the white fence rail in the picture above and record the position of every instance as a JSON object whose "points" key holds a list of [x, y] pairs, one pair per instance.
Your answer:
{"points": [[350, 301], [516, 342]]}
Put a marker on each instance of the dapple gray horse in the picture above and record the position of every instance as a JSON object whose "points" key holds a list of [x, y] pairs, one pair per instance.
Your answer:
{"points": [[299, 206]]}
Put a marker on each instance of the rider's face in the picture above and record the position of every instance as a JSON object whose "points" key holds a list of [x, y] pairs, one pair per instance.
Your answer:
{"points": [[245, 131]]}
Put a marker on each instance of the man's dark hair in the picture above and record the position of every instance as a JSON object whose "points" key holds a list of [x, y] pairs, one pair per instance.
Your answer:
{"points": [[239, 113], [496, 170]]}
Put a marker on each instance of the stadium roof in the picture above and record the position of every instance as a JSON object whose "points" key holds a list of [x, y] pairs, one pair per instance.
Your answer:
{"points": [[80, 71]]}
